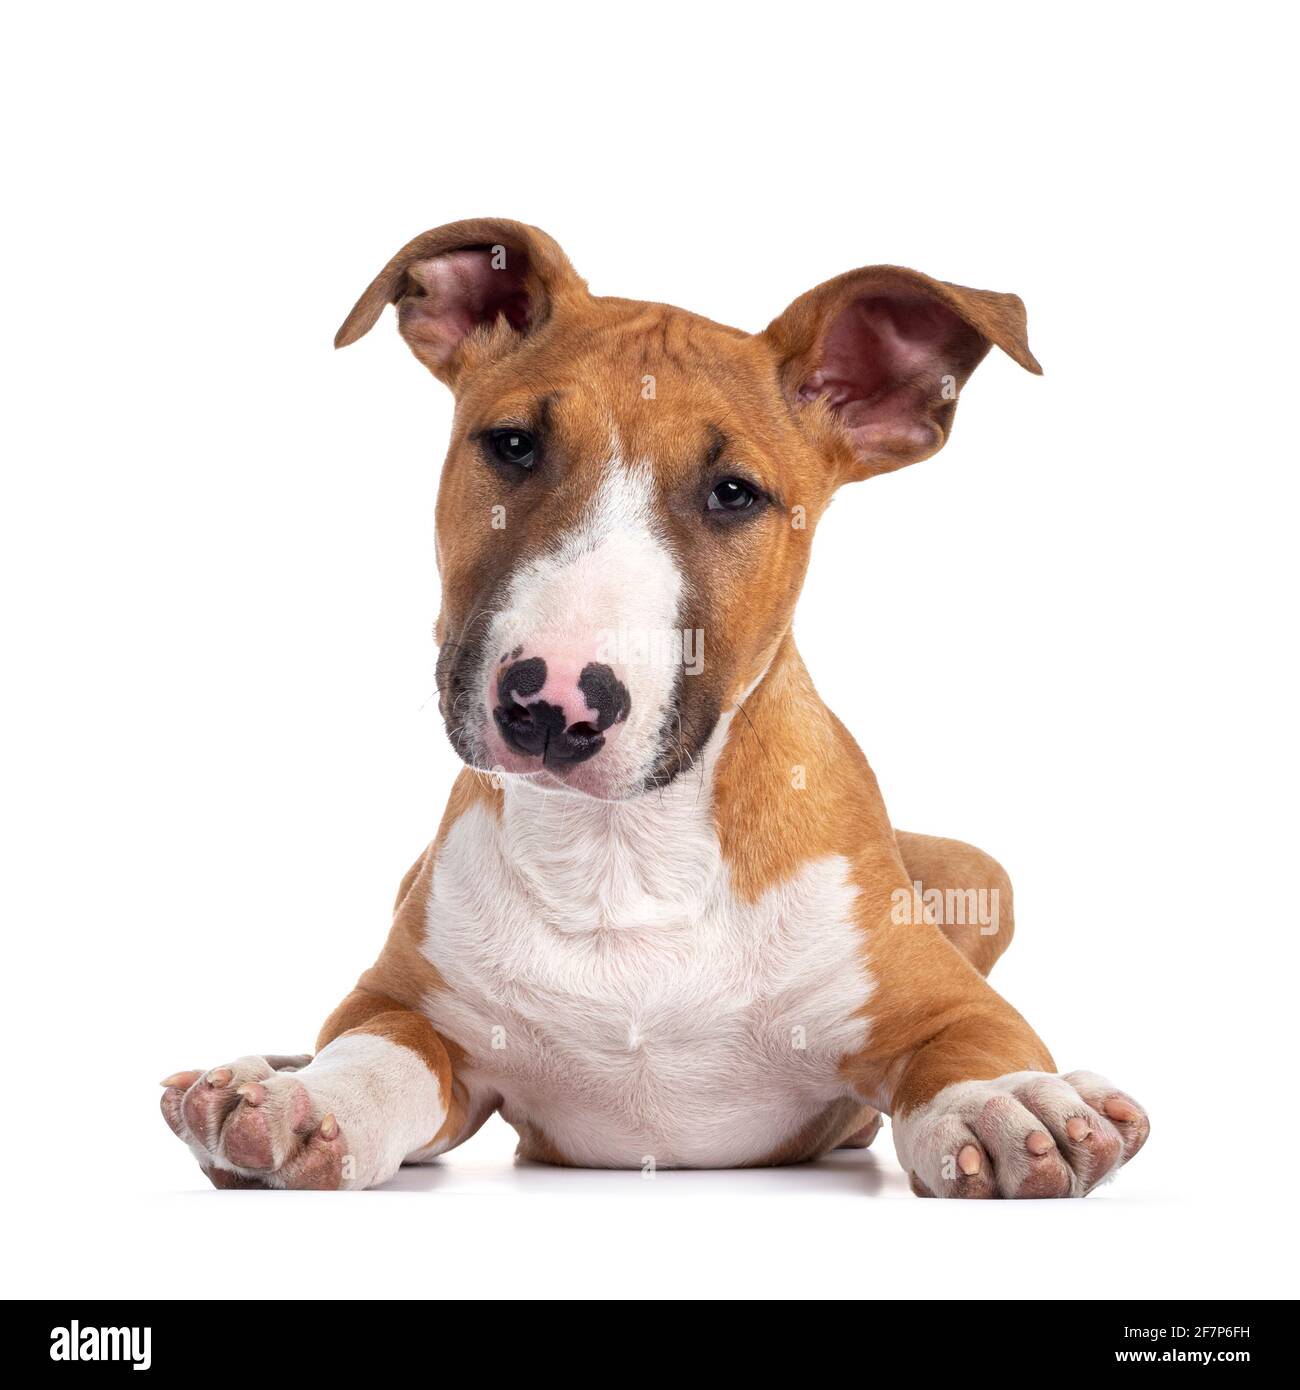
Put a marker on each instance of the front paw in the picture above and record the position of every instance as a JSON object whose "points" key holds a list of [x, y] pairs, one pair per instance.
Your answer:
{"points": [[251, 1124], [1030, 1134]]}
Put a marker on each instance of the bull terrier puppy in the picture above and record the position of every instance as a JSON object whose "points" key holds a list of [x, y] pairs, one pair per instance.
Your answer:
{"points": [[660, 923]]}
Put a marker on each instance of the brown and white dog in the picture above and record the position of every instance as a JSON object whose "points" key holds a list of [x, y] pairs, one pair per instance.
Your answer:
{"points": [[666, 920]]}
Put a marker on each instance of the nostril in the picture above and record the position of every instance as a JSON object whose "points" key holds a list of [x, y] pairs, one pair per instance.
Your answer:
{"points": [[605, 693], [574, 744], [530, 729]]}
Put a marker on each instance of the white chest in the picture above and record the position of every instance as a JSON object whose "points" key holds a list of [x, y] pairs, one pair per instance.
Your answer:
{"points": [[612, 991]]}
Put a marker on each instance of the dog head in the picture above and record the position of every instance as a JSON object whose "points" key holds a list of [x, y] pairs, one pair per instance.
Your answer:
{"points": [[626, 509]]}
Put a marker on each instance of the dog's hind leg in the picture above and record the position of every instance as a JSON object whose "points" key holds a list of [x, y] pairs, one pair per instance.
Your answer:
{"points": [[862, 1136], [968, 892]]}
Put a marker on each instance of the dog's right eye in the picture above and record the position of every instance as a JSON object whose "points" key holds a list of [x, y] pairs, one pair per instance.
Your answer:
{"points": [[515, 447]]}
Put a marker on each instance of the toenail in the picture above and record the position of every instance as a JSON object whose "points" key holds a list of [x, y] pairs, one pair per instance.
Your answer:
{"points": [[329, 1127], [1077, 1129], [1120, 1109], [252, 1093], [1038, 1142], [968, 1160], [222, 1076], [184, 1079]]}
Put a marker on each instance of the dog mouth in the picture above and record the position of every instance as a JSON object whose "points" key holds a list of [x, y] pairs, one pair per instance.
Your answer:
{"points": [[467, 720], [456, 703], [683, 734]]}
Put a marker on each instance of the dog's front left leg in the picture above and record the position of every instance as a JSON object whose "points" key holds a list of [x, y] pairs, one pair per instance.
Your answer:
{"points": [[379, 1090], [1028, 1133], [977, 1107]]}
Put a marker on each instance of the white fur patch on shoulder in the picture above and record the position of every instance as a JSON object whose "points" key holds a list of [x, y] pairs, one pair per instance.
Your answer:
{"points": [[609, 986]]}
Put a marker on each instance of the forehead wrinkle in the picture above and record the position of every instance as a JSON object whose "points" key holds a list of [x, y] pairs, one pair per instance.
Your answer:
{"points": [[705, 376]]}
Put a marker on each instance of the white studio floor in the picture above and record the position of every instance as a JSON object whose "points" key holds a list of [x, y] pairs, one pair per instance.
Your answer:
{"points": [[476, 1224]]}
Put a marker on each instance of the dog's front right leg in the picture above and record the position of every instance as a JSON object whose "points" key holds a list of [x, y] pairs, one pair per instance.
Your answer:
{"points": [[379, 1090]]}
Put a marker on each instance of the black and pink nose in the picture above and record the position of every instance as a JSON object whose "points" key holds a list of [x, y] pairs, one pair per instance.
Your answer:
{"points": [[558, 709]]}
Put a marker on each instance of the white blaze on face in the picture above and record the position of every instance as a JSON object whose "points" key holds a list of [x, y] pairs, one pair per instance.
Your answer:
{"points": [[608, 591]]}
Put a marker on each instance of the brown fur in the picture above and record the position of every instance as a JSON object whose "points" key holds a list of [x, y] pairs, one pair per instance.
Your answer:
{"points": [[933, 1019], [949, 864], [791, 783]]}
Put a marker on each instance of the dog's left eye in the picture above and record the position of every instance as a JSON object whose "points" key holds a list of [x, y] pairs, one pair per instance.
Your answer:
{"points": [[514, 447], [731, 495]]}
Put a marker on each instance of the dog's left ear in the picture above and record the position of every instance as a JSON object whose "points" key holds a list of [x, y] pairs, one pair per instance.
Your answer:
{"points": [[886, 352]]}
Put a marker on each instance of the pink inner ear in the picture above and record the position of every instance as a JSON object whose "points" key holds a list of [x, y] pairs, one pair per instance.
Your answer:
{"points": [[883, 364], [462, 291]]}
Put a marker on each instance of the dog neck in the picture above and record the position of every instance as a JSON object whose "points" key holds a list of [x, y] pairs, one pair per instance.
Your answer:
{"points": [[661, 853], [615, 863]]}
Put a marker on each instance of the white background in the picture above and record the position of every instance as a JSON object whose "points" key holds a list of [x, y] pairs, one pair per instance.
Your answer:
{"points": [[1068, 638]]}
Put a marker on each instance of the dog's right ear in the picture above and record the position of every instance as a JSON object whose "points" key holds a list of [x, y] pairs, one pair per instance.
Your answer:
{"points": [[467, 292]]}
